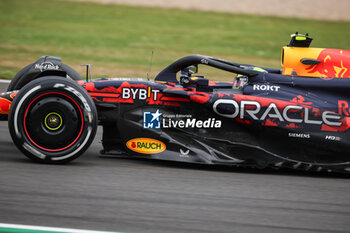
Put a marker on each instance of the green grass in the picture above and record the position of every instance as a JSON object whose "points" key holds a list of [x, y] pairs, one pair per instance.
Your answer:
{"points": [[118, 40]]}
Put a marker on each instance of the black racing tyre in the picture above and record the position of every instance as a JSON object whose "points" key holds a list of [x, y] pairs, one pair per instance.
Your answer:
{"points": [[52, 120], [25, 76]]}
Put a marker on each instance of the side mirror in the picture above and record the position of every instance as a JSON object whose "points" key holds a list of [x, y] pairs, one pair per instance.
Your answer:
{"points": [[189, 70], [193, 69], [185, 74]]}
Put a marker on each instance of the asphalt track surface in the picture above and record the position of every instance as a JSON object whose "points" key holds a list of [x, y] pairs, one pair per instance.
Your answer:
{"points": [[131, 195]]}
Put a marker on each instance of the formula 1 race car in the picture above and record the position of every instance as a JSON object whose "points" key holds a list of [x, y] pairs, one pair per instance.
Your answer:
{"points": [[297, 117]]}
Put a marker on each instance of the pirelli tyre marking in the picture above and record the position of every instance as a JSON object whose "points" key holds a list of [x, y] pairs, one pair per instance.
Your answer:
{"points": [[78, 149], [18, 134]]}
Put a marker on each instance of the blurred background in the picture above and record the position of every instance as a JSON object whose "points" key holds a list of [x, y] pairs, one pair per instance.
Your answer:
{"points": [[118, 36]]}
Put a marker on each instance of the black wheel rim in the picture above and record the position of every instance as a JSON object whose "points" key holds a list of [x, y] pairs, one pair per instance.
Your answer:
{"points": [[53, 121]]}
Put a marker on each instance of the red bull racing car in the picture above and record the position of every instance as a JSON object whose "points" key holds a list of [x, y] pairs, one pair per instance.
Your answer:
{"points": [[296, 117]]}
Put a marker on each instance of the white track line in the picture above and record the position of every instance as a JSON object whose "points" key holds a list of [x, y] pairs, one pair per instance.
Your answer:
{"points": [[5, 81], [48, 229]]}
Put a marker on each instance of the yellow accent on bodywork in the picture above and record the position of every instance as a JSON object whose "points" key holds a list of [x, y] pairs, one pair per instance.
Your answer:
{"points": [[291, 56], [300, 38]]}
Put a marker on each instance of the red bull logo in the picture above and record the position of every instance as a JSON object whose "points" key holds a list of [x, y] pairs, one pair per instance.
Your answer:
{"points": [[334, 63]]}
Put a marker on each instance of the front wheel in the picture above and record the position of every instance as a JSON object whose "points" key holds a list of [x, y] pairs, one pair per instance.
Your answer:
{"points": [[52, 120]]}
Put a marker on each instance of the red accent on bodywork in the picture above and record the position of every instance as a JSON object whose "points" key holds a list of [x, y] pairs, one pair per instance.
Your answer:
{"points": [[5, 105], [300, 100], [13, 95], [81, 82], [222, 95], [104, 94], [199, 97], [342, 107], [6, 101], [292, 125], [243, 121], [269, 122]]}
